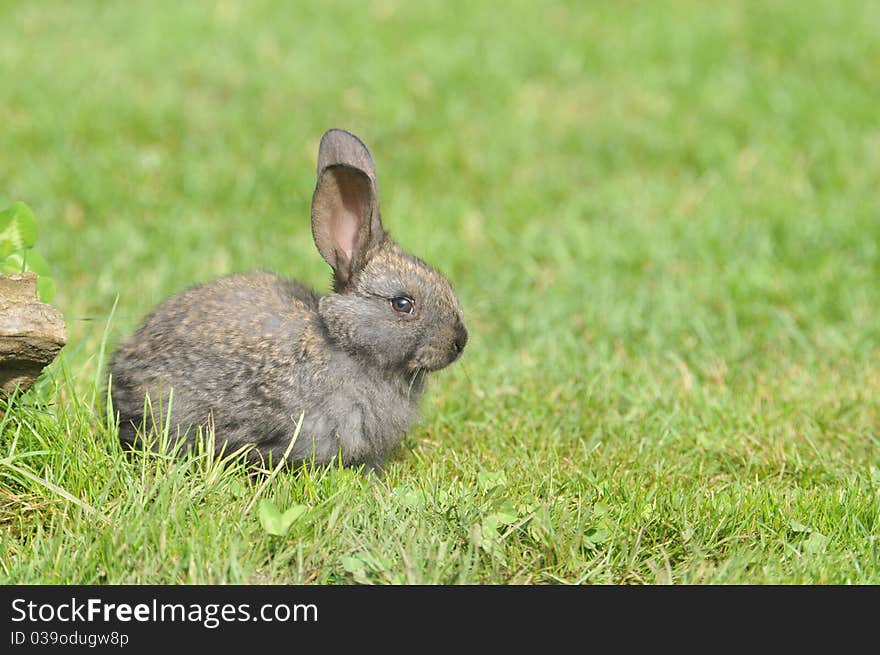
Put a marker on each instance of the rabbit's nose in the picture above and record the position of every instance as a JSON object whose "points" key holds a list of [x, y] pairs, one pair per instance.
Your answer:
{"points": [[461, 337]]}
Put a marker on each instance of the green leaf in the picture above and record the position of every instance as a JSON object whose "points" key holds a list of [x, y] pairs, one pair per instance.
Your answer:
{"points": [[34, 261], [816, 542], [45, 284], [409, 497], [46, 288], [797, 526], [596, 535], [540, 527], [489, 537], [353, 564], [356, 565], [18, 229], [275, 522], [237, 488], [488, 480], [13, 263], [505, 512]]}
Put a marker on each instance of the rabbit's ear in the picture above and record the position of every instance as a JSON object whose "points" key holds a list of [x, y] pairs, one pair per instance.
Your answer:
{"points": [[345, 206]]}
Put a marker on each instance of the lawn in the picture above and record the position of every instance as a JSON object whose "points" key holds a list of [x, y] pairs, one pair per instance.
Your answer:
{"points": [[662, 220]]}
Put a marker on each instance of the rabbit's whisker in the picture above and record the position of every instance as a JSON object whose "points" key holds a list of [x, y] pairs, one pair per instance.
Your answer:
{"points": [[412, 381]]}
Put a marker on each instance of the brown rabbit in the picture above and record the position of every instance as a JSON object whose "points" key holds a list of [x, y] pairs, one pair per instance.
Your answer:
{"points": [[247, 354]]}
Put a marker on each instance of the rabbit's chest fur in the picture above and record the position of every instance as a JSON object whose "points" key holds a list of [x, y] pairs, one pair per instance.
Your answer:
{"points": [[274, 364], [353, 411]]}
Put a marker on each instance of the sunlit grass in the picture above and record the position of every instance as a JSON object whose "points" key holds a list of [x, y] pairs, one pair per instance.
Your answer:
{"points": [[662, 220]]}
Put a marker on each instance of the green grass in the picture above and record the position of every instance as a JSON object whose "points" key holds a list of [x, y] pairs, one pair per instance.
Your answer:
{"points": [[662, 219]]}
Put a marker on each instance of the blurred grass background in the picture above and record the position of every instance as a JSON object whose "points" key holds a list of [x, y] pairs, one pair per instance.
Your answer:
{"points": [[662, 219]]}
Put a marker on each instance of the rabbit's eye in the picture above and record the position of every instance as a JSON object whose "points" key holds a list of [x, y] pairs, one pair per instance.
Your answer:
{"points": [[402, 305]]}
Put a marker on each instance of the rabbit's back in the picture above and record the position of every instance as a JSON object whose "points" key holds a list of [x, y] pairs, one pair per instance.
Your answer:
{"points": [[218, 346], [218, 326]]}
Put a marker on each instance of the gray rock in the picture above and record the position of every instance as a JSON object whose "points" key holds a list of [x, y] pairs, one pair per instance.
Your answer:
{"points": [[31, 333]]}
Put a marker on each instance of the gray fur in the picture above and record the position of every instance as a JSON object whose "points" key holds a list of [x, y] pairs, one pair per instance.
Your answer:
{"points": [[246, 354]]}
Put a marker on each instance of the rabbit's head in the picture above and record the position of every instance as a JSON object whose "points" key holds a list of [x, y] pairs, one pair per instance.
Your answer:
{"points": [[388, 308]]}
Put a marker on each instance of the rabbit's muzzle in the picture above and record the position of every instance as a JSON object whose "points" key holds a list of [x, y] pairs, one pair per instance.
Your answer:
{"points": [[442, 351]]}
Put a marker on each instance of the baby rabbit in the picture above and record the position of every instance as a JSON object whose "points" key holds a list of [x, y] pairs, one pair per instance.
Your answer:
{"points": [[247, 354]]}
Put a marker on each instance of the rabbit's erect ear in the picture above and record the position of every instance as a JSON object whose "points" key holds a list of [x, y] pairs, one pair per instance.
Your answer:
{"points": [[345, 206]]}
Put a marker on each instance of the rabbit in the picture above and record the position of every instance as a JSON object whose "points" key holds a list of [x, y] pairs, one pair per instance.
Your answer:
{"points": [[247, 354]]}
